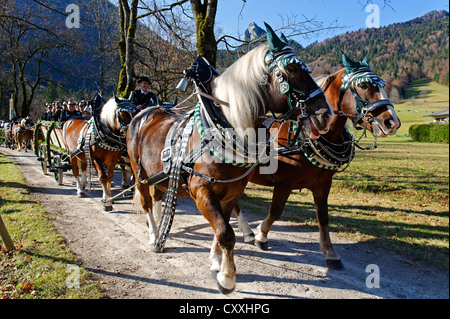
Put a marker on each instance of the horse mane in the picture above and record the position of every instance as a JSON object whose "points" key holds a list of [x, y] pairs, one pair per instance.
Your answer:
{"points": [[243, 86], [108, 114], [324, 81]]}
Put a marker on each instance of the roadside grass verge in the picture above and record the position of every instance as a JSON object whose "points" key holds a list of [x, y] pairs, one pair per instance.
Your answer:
{"points": [[41, 263], [395, 197]]}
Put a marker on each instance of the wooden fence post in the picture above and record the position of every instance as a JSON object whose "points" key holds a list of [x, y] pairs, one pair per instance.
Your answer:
{"points": [[5, 236]]}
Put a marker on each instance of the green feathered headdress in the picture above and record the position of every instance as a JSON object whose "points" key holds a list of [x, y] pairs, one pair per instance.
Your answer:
{"points": [[280, 53], [359, 72]]}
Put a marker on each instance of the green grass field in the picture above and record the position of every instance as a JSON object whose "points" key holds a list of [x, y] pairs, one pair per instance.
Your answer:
{"points": [[415, 105], [41, 263], [395, 196]]}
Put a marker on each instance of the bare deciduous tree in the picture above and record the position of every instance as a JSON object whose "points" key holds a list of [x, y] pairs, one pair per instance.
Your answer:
{"points": [[28, 38]]}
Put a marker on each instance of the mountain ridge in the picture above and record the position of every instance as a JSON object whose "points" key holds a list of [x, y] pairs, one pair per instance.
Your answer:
{"points": [[399, 53]]}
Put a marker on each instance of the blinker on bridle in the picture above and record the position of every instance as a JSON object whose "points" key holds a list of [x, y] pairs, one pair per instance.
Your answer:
{"points": [[279, 56], [356, 73], [124, 106], [297, 99]]}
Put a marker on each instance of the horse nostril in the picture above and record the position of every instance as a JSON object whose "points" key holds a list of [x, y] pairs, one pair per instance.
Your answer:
{"points": [[389, 123]]}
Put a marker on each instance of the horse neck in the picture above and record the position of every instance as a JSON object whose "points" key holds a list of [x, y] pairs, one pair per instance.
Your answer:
{"points": [[112, 126], [332, 92]]}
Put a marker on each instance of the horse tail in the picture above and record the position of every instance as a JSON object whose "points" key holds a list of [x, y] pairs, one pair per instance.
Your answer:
{"points": [[137, 204]]}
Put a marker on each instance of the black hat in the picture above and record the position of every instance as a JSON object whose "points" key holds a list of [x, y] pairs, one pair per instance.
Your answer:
{"points": [[144, 78]]}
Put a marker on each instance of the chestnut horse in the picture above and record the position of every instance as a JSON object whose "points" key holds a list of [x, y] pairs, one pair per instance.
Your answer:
{"points": [[296, 171], [23, 133], [263, 80], [106, 140]]}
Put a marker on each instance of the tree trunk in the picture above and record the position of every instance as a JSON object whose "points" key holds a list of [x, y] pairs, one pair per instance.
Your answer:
{"points": [[128, 22], [130, 58], [205, 16]]}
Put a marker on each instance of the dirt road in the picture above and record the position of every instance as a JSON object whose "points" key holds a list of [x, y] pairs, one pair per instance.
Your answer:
{"points": [[114, 246]]}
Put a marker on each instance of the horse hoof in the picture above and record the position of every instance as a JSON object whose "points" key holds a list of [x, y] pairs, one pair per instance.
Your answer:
{"points": [[156, 249], [107, 208], [334, 264], [249, 239], [81, 195], [262, 245], [225, 285]]}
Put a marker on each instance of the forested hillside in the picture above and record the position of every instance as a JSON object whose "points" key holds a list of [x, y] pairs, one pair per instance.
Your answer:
{"points": [[400, 52]]}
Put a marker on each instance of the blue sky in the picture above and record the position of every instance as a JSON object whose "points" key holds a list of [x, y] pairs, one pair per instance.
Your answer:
{"points": [[348, 13]]}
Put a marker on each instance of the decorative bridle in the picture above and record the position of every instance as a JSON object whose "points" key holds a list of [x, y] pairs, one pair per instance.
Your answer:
{"points": [[127, 107], [297, 99], [106, 138], [363, 74]]}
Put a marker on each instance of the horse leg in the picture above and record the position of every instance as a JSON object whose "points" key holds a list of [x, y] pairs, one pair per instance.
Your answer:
{"points": [[331, 256], [222, 250], [144, 198], [244, 227], [105, 182], [19, 144], [125, 177], [76, 167], [83, 174], [157, 196], [279, 198]]}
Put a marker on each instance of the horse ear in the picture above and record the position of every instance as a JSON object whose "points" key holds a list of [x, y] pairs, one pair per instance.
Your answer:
{"points": [[284, 39], [275, 44], [117, 99], [365, 61], [349, 64], [158, 101]]}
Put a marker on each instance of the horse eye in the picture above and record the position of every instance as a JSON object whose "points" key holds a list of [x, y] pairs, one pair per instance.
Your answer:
{"points": [[292, 69], [364, 87]]}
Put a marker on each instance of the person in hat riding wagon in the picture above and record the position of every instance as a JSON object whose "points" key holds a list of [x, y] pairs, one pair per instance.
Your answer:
{"points": [[71, 113], [142, 97], [57, 110], [47, 115], [84, 109]]}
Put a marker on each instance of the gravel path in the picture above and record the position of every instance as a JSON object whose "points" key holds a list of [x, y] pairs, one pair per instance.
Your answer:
{"points": [[114, 246]]}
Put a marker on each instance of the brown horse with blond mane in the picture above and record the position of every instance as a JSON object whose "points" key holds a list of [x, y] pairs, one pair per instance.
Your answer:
{"points": [[355, 93], [100, 140], [23, 133], [268, 78]]}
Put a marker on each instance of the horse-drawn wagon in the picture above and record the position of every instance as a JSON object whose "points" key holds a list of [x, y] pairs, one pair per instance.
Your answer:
{"points": [[50, 149]]}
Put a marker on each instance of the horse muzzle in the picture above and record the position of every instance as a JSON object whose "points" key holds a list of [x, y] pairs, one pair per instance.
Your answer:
{"points": [[318, 123], [386, 123]]}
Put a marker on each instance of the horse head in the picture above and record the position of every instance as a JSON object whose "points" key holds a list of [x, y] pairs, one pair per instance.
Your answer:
{"points": [[117, 114], [366, 100], [26, 123], [272, 78], [292, 85]]}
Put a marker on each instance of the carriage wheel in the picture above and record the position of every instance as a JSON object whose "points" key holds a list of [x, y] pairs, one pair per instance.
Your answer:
{"points": [[59, 173], [43, 156]]}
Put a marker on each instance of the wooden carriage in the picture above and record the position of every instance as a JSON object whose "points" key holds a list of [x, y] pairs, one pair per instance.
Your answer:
{"points": [[50, 149]]}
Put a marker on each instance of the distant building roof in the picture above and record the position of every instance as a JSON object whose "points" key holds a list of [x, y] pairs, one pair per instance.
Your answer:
{"points": [[438, 113]]}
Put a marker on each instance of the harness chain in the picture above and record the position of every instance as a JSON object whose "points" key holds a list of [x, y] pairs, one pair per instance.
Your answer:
{"points": [[176, 169], [87, 153]]}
